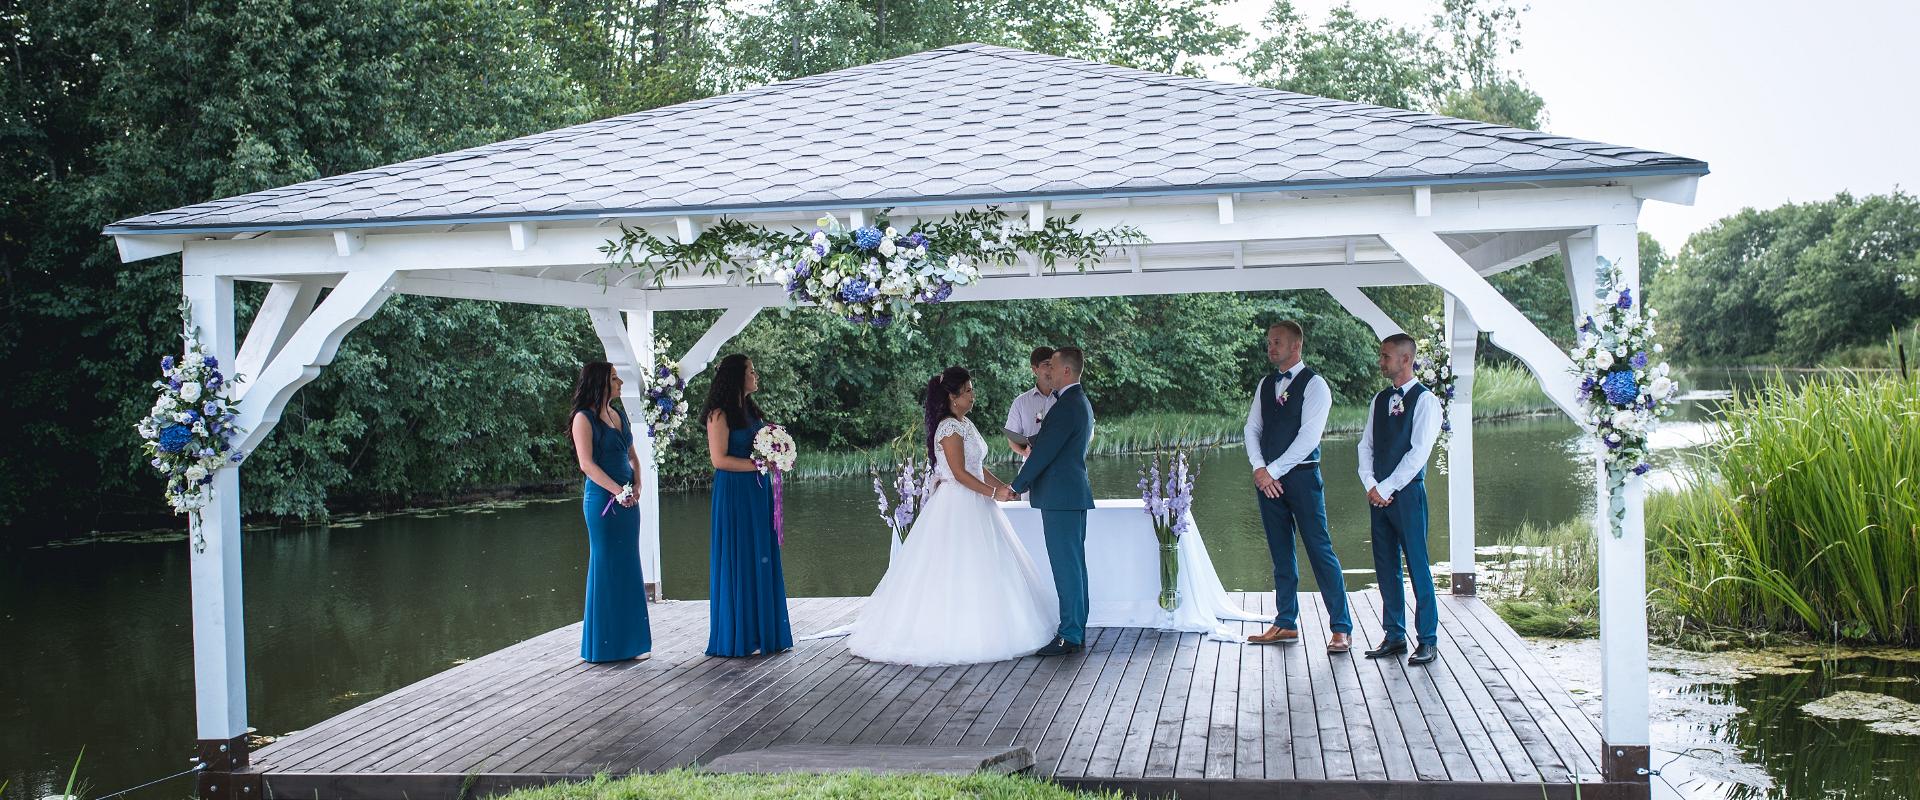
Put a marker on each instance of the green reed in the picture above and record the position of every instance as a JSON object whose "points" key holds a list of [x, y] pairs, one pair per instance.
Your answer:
{"points": [[1803, 515]]}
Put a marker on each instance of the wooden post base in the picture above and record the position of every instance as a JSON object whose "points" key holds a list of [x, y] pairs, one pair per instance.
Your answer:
{"points": [[220, 759], [1626, 763], [1465, 585]]}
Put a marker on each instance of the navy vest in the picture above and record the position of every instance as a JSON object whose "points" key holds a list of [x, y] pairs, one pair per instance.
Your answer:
{"points": [[1279, 423], [1393, 435]]}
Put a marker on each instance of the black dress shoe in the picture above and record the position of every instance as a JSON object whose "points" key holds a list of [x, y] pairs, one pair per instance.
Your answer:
{"points": [[1391, 647], [1058, 647], [1423, 654]]}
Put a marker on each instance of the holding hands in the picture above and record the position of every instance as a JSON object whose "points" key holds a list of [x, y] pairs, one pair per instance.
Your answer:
{"points": [[1373, 497], [1265, 482]]}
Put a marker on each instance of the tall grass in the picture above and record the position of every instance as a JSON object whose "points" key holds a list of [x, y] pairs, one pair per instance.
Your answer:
{"points": [[1498, 392], [1544, 580], [1804, 515]]}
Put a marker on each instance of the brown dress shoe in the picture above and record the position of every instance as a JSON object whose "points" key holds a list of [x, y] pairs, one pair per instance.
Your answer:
{"points": [[1275, 635], [1340, 643]]}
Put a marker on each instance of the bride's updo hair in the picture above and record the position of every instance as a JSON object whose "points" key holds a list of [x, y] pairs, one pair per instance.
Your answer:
{"points": [[939, 400]]}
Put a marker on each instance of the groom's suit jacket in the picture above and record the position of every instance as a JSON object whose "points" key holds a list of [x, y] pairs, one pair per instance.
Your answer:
{"points": [[1056, 470]]}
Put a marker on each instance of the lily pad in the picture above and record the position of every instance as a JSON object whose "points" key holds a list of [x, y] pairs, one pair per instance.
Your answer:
{"points": [[1883, 714]]}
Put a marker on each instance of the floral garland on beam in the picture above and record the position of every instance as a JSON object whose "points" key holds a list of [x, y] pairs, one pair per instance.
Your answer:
{"points": [[874, 274], [1433, 365], [189, 433], [1623, 393]]}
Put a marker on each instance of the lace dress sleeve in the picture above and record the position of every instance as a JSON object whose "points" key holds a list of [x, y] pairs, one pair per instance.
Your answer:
{"points": [[948, 427]]}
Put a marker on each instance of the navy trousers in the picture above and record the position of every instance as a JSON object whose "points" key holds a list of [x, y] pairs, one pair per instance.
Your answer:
{"points": [[1302, 507], [1400, 532], [1066, 532]]}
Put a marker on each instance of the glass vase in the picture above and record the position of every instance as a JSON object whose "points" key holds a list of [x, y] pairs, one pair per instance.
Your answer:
{"points": [[1169, 576]]}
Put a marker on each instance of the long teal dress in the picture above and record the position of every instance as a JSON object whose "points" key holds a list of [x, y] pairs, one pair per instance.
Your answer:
{"points": [[748, 612], [615, 628]]}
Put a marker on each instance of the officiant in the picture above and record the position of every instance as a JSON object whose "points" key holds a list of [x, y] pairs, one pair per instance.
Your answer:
{"points": [[1025, 413]]}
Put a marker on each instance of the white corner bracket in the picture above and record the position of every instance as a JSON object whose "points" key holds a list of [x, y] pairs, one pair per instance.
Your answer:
{"points": [[346, 243], [310, 349]]}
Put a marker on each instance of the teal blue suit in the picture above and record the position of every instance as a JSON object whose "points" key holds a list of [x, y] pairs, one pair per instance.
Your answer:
{"points": [[1056, 472]]}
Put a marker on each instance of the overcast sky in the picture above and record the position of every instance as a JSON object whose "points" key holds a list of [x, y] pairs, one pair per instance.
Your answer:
{"points": [[1785, 101]]}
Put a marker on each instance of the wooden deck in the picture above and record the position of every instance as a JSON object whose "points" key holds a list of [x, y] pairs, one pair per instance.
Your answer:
{"points": [[1139, 710]]}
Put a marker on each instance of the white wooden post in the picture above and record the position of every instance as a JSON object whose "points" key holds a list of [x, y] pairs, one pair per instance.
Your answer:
{"points": [[1462, 338], [640, 338], [1625, 737], [219, 634]]}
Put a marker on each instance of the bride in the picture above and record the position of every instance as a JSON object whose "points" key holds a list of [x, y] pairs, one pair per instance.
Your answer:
{"points": [[962, 590]]}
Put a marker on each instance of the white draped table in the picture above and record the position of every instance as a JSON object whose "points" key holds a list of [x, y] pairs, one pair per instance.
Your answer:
{"points": [[1123, 571]]}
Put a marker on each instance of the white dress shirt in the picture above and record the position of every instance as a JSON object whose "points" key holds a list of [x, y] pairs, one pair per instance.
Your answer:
{"points": [[1024, 415], [1426, 431], [1316, 400]]}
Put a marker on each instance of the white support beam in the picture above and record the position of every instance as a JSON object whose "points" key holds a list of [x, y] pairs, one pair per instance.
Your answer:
{"points": [[219, 630], [1423, 201], [285, 307], [310, 349], [1577, 259], [640, 339], [1462, 530], [1036, 216], [136, 248], [1625, 697], [347, 243], [1226, 209], [1239, 255], [1360, 305], [1678, 189], [684, 231], [521, 235], [1511, 330], [508, 288], [724, 329], [1509, 250], [1198, 222]]}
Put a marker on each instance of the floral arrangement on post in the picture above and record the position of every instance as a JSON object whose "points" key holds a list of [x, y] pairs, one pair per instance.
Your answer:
{"points": [[1167, 503], [1433, 365], [773, 451], [666, 394], [189, 432], [911, 486], [1623, 393], [875, 274]]}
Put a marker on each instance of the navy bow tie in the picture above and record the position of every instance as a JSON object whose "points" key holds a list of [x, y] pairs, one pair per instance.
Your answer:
{"points": [[1399, 392]]}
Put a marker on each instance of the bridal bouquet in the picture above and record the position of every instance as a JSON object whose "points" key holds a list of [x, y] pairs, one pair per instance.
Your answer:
{"points": [[1433, 365], [870, 274], [773, 450], [1167, 502], [1623, 392], [189, 432]]}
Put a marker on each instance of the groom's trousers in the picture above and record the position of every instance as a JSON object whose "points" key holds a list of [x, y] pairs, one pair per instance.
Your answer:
{"points": [[1302, 507], [1066, 532]]}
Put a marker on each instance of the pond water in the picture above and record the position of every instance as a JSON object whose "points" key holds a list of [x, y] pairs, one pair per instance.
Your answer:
{"points": [[97, 644]]}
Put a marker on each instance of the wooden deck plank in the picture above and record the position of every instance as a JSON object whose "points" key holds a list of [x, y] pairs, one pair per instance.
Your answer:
{"points": [[1137, 704]]}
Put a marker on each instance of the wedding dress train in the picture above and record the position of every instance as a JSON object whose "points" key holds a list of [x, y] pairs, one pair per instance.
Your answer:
{"points": [[962, 589]]}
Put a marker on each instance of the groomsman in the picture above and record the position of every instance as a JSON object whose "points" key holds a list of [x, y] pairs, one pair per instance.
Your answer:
{"points": [[1026, 411], [1402, 425], [1283, 431]]}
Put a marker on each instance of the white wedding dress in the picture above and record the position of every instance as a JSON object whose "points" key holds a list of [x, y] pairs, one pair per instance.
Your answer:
{"points": [[962, 590]]}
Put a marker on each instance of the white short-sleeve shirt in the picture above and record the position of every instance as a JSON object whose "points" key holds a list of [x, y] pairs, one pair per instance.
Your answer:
{"points": [[1026, 412]]}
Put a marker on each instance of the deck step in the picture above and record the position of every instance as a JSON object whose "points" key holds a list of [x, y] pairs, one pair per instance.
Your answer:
{"points": [[820, 758]]}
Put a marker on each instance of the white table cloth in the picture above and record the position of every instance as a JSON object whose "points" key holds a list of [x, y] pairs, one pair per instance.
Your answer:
{"points": [[1123, 571]]}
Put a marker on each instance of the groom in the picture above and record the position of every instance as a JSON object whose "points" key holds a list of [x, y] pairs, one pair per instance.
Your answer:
{"points": [[1056, 471]]}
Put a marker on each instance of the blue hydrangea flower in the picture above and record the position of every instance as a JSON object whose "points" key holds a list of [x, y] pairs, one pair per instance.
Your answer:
{"points": [[868, 238], [174, 438], [665, 403], [166, 363], [1626, 298], [1621, 388], [1639, 360], [857, 290]]}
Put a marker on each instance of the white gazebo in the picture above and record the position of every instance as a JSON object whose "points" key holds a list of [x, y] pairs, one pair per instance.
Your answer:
{"points": [[1236, 188]]}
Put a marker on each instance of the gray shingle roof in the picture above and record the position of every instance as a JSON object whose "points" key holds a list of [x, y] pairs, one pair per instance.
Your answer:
{"points": [[961, 123]]}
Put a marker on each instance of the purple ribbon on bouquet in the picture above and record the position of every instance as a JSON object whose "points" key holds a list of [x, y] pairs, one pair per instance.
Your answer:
{"points": [[779, 531], [604, 510]]}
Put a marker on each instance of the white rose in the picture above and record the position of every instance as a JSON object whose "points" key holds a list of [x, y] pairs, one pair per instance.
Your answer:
{"points": [[1620, 351], [890, 232], [1661, 385], [1604, 360], [1657, 347], [195, 473], [887, 247], [190, 392], [781, 276]]}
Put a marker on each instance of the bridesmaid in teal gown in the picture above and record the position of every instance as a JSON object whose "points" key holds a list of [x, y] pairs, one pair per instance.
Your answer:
{"points": [[615, 626], [748, 612]]}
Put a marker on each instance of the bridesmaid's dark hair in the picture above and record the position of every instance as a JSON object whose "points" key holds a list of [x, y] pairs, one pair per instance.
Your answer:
{"points": [[728, 394], [594, 387], [939, 399]]}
